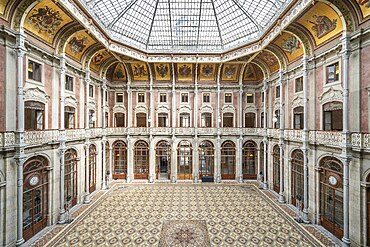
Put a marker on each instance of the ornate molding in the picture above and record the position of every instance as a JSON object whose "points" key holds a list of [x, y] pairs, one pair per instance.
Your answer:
{"points": [[297, 101], [228, 108], [141, 108], [92, 104], [71, 101], [331, 95], [36, 94], [206, 109], [250, 108], [119, 109], [162, 109]]}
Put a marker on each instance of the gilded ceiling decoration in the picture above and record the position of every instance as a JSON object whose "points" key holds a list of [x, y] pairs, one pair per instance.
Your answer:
{"points": [[270, 60], [322, 22], [98, 59], [207, 72], [162, 71], [291, 46], [3, 4], [365, 7], [249, 73], [230, 72], [184, 72], [45, 20], [119, 73], [78, 44], [139, 71]]}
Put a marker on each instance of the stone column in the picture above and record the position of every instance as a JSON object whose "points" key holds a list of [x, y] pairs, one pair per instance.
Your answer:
{"points": [[104, 136], [305, 141], [20, 157], [130, 160], [196, 144], [62, 137], [218, 122], [129, 106], [346, 139], [265, 141], [87, 138], [173, 161], [281, 140], [151, 144], [173, 112], [129, 125], [240, 139]]}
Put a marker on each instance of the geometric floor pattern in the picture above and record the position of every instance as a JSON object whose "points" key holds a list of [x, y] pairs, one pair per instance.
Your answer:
{"points": [[147, 215]]}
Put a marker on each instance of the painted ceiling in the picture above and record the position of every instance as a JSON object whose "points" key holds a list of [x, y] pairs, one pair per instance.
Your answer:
{"points": [[98, 59], [78, 44], [291, 46]]}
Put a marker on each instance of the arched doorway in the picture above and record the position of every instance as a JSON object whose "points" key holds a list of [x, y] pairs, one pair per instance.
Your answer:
{"points": [[35, 196], [276, 165], [141, 160], [206, 159], [331, 195], [119, 160], [92, 168], [184, 160], [297, 176], [249, 160], [228, 160], [70, 176], [163, 160]]}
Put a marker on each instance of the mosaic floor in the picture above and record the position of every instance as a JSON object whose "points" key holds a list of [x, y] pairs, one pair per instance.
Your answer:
{"points": [[184, 215]]}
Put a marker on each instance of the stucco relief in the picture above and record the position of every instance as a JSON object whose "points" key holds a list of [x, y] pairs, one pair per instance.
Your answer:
{"points": [[141, 108], [206, 108], [250, 108], [71, 101], [297, 101], [119, 108], [36, 94], [2, 177], [162, 109], [92, 104], [184, 109], [228, 108], [331, 95]]}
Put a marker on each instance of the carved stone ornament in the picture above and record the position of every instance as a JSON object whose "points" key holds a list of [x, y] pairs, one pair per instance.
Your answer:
{"points": [[119, 108], [92, 104], [206, 108], [184, 109], [71, 101], [250, 108], [162, 108], [141, 108], [36, 94], [297, 101], [331, 95], [228, 108]]}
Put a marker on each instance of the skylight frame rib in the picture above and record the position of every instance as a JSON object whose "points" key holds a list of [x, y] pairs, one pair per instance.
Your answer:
{"points": [[218, 25], [169, 14], [127, 8], [151, 26], [200, 16], [260, 28]]}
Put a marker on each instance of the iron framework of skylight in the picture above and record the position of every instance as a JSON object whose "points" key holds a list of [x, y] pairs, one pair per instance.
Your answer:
{"points": [[196, 26]]}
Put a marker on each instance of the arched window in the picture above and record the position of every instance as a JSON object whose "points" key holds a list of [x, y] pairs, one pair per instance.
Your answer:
{"points": [[297, 176], [276, 165], [249, 165], [163, 160], [184, 160], [333, 116], [70, 176], [119, 160], [92, 168], [228, 160], [331, 195], [141, 160], [206, 159], [35, 196], [34, 115], [250, 120]]}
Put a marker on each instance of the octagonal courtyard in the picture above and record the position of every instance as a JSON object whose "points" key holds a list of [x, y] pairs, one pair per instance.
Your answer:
{"points": [[184, 215]]}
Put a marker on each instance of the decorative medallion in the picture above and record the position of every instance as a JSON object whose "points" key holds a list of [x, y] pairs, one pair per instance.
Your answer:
{"points": [[162, 70], [34, 180], [77, 44], [207, 71], [184, 70], [333, 180], [119, 73], [184, 233], [291, 44], [98, 58], [46, 20], [322, 25]]}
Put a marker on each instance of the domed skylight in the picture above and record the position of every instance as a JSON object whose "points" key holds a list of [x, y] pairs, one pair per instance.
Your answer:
{"points": [[198, 26]]}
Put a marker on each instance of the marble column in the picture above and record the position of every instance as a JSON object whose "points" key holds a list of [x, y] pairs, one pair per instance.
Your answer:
{"points": [[87, 138], [265, 141], [104, 136], [281, 139]]}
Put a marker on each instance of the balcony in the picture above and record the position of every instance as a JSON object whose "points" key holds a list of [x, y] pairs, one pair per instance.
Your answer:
{"points": [[39, 137], [293, 135]]}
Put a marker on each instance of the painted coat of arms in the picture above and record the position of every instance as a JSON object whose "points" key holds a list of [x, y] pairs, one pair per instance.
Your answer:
{"points": [[184, 70], [291, 44], [230, 71], [366, 3], [162, 70], [322, 25], [119, 73], [140, 70], [207, 70], [77, 44], [46, 20], [269, 59]]}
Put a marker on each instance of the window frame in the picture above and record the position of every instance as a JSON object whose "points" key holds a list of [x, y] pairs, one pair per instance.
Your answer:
{"points": [[91, 91], [248, 95], [117, 95], [295, 84], [205, 95], [160, 98], [68, 80], [41, 71], [337, 78], [187, 98], [227, 94], [138, 100]]}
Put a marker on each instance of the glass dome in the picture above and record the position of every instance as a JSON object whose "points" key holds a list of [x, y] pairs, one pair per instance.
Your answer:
{"points": [[199, 26]]}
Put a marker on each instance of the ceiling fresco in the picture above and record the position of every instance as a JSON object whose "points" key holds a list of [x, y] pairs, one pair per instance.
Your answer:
{"points": [[207, 72], [45, 20], [98, 59], [291, 46], [230, 72], [78, 44], [119, 72], [162, 71], [3, 4], [270, 60], [139, 71], [252, 73], [322, 22]]}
